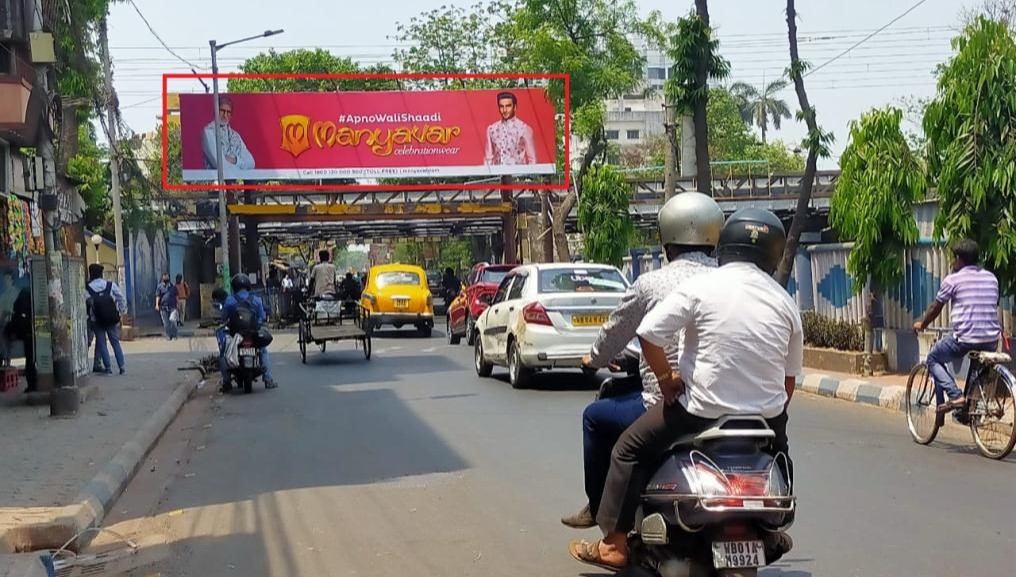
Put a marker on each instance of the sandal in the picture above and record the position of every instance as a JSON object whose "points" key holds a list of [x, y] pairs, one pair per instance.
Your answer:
{"points": [[589, 553]]}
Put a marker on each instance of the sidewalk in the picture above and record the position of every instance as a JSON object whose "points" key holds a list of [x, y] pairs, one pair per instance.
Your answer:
{"points": [[886, 391], [58, 475]]}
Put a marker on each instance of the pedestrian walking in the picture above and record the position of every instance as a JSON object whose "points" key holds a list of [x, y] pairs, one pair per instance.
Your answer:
{"points": [[105, 303], [165, 304], [182, 294]]}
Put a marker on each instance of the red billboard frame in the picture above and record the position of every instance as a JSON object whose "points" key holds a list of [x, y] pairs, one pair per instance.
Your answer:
{"points": [[565, 77]]}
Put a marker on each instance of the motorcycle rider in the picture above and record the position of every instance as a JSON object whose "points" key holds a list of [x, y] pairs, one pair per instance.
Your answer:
{"points": [[743, 351], [240, 283], [690, 226]]}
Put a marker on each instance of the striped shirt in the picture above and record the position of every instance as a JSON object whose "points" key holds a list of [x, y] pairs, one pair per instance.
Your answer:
{"points": [[973, 293]]}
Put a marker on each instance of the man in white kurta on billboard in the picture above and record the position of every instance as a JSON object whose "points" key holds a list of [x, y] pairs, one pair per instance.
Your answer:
{"points": [[509, 140], [235, 155]]}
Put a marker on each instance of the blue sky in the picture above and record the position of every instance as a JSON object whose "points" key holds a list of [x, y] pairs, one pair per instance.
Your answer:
{"points": [[899, 62]]}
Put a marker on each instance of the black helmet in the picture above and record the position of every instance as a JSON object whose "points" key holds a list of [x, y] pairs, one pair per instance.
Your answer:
{"points": [[752, 235], [239, 282]]}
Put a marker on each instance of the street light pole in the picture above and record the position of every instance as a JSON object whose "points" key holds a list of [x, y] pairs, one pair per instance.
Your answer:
{"points": [[220, 177]]}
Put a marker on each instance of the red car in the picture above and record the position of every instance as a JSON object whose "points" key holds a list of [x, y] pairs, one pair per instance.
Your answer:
{"points": [[480, 286]]}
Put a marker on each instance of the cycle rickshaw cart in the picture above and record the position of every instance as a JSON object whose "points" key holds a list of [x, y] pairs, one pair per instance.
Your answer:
{"points": [[332, 319]]}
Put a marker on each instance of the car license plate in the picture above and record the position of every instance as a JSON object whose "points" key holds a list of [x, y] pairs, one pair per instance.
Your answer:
{"points": [[247, 352], [401, 303], [588, 320], [738, 554]]}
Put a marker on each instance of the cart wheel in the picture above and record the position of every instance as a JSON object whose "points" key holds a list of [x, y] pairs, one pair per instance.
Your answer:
{"points": [[322, 345], [367, 349]]}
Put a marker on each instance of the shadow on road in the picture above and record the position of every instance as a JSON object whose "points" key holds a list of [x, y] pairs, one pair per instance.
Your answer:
{"points": [[295, 439]]}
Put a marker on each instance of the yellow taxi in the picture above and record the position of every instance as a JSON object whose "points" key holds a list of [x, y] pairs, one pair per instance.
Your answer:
{"points": [[398, 295]]}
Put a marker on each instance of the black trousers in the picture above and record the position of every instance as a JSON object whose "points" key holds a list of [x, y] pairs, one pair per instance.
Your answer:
{"points": [[642, 446]]}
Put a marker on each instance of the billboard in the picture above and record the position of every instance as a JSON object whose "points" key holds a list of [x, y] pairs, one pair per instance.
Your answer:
{"points": [[404, 134]]}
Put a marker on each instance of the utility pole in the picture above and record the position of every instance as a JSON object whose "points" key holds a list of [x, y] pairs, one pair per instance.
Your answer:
{"points": [[112, 118], [670, 162], [65, 397]]}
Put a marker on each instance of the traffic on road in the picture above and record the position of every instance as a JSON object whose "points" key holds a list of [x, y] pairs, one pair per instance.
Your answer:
{"points": [[668, 401]]}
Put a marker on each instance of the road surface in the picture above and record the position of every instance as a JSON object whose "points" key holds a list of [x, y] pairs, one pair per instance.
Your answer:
{"points": [[411, 465]]}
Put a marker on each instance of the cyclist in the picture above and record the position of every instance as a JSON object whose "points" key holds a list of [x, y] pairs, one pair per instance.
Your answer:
{"points": [[973, 293]]}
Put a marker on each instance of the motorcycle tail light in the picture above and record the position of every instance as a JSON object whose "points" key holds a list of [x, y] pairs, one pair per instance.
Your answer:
{"points": [[753, 485]]}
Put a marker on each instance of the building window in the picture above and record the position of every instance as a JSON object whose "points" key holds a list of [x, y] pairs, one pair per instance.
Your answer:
{"points": [[627, 108], [657, 73], [633, 135], [612, 135]]}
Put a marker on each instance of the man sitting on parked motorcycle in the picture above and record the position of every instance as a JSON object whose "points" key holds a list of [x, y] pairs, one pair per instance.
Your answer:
{"points": [[743, 348], [240, 283], [690, 226]]}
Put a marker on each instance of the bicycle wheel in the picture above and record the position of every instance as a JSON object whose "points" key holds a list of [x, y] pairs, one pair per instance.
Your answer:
{"points": [[922, 419], [993, 413]]}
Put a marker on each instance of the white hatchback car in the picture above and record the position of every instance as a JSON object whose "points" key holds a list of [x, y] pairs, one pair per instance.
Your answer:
{"points": [[545, 316]]}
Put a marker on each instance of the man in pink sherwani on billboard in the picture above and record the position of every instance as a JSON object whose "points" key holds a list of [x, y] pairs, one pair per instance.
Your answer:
{"points": [[509, 140]]}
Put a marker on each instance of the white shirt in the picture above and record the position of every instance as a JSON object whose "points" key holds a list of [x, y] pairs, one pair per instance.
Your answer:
{"points": [[742, 338], [232, 145]]}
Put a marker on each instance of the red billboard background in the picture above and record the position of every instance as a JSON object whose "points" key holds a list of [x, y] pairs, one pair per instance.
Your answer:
{"points": [[299, 136]]}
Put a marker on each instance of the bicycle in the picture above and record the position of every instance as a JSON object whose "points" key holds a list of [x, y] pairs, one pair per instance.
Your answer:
{"points": [[990, 410]]}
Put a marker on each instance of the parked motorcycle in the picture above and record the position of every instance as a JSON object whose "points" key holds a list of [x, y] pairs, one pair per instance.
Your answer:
{"points": [[710, 504]]}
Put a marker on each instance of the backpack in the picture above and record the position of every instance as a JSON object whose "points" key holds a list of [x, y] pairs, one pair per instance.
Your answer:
{"points": [[104, 311], [243, 318]]}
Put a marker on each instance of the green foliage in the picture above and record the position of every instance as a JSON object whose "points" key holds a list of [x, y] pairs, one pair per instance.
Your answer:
{"points": [[880, 179], [778, 157], [729, 135], [827, 333], [459, 40], [408, 252], [455, 253], [590, 39], [691, 44], [761, 107], [74, 26], [306, 61], [604, 221], [971, 128], [89, 169]]}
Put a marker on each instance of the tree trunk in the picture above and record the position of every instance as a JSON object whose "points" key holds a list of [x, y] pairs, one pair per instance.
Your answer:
{"points": [[705, 175], [597, 146], [810, 167]]}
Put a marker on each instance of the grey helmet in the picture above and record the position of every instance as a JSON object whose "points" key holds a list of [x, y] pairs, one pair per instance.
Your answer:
{"points": [[690, 219]]}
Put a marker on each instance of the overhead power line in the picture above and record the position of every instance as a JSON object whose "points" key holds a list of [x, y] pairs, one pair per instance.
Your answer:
{"points": [[865, 39], [159, 38]]}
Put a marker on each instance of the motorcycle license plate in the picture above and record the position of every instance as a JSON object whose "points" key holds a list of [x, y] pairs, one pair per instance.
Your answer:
{"points": [[247, 352], [738, 554]]}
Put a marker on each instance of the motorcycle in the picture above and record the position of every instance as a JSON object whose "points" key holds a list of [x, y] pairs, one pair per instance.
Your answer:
{"points": [[249, 366], [711, 501]]}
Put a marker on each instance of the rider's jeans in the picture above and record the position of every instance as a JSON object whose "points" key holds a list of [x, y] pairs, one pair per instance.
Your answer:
{"points": [[220, 335], [603, 421], [947, 351]]}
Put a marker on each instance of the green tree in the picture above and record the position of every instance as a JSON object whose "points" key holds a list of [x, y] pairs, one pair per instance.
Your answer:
{"points": [[455, 253], [606, 226], [89, 168], [306, 61], [817, 144], [730, 136], [695, 53], [408, 252], [761, 107], [971, 125], [459, 40], [591, 40], [880, 180]]}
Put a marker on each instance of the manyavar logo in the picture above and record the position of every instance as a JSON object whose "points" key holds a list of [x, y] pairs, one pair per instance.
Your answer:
{"points": [[298, 132]]}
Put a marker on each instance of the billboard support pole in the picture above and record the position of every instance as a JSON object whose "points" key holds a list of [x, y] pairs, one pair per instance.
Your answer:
{"points": [[509, 225]]}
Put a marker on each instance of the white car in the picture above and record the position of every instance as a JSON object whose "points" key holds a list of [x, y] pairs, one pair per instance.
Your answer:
{"points": [[545, 316]]}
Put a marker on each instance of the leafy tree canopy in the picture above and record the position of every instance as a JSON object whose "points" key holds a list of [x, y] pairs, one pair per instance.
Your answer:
{"points": [[606, 226]]}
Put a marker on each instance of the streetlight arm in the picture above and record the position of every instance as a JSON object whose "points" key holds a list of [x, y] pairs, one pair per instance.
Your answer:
{"points": [[216, 47]]}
